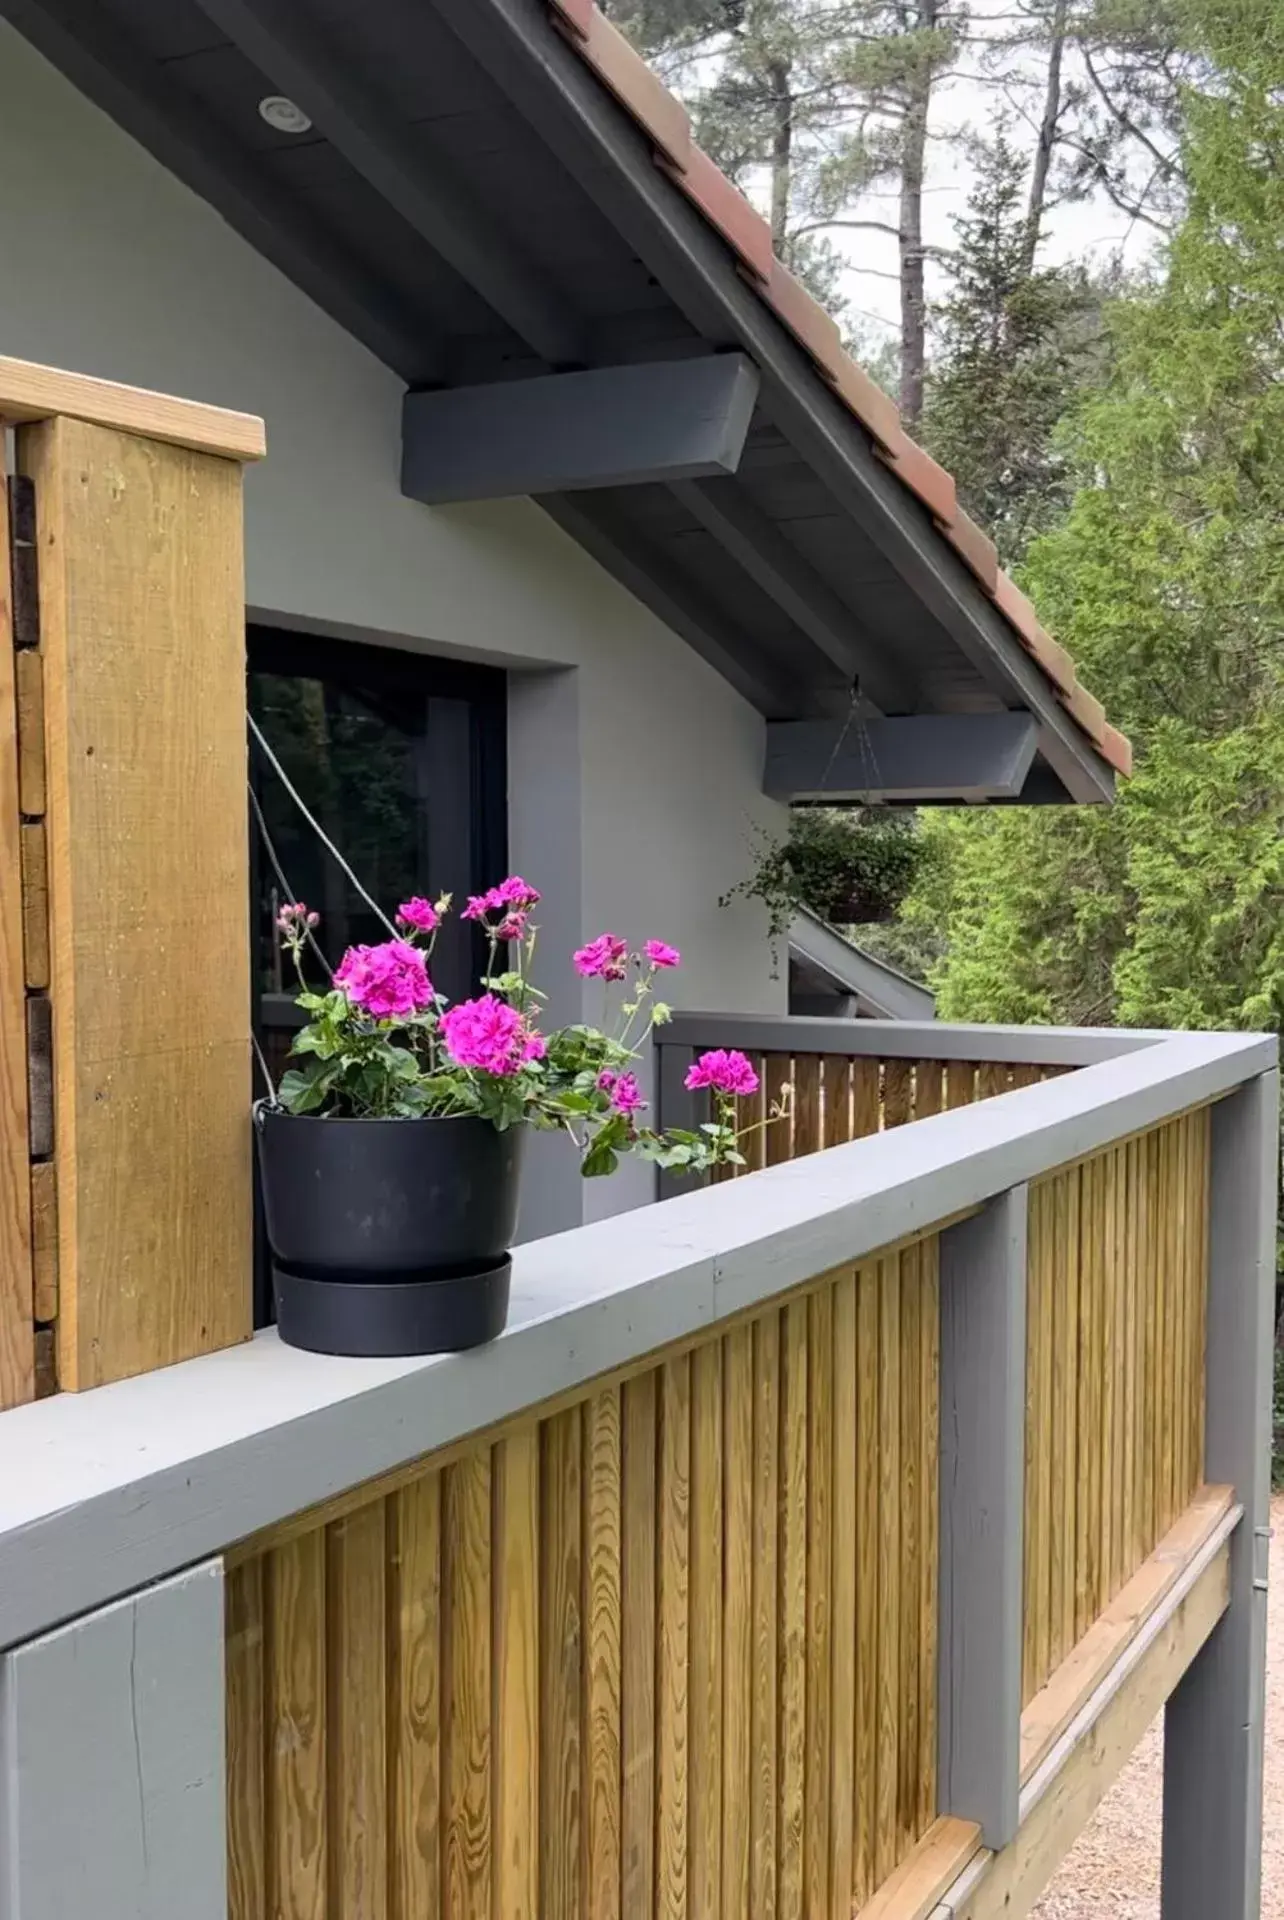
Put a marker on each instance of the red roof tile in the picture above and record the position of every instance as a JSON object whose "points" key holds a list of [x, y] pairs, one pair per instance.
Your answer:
{"points": [[725, 207], [924, 477], [643, 94], [976, 547]]}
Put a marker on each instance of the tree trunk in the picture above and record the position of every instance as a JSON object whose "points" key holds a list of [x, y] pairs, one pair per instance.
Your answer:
{"points": [[1047, 135], [913, 289], [782, 143]]}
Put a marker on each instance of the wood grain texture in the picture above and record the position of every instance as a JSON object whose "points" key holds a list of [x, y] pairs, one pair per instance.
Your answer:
{"points": [[912, 1892], [837, 1100], [356, 1733], [865, 1773], [764, 1726], [960, 1084], [1086, 1666], [792, 1623], [414, 1700], [468, 1839], [808, 1131], [29, 689], [779, 1137], [1114, 1441], [929, 1525], [515, 1661], [898, 1092], [737, 1617], [673, 1521], [637, 1705], [704, 1890], [602, 1613], [296, 1787], [820, 1567], [911, 1549], [843, 1652], [44, 1240], [561, 1651], [145, 771], [867, 1098], [31, 392], [35, 904], [929, 1088], [246, 1810], [17, 1340], [890, 1622]]}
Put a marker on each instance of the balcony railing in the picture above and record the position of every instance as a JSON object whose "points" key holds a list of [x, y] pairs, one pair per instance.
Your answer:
{"points": [[814, 1544]]}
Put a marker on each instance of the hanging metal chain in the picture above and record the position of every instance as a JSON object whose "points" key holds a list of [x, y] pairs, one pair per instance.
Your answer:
{"points": [[868, 760]]}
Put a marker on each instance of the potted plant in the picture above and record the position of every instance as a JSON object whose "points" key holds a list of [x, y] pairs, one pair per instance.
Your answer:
{"points": [[390, 1155], [852, 867]]}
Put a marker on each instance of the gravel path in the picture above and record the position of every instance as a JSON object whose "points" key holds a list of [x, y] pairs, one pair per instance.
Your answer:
{"points": [[1113, 1872]]}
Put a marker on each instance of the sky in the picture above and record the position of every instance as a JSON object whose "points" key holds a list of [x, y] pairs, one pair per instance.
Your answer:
{"points": [[969, 102]]}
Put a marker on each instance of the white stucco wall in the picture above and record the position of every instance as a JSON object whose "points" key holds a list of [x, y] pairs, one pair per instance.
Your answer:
{"points": [[112, 267]]}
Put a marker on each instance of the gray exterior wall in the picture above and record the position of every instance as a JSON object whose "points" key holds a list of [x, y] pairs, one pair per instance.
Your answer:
{"points": [[112, 267]]}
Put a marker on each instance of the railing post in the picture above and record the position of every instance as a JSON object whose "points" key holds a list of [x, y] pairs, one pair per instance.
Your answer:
{"points": [[1212, 1845], [112, 1792], [983, 1319], [676, 1107]]}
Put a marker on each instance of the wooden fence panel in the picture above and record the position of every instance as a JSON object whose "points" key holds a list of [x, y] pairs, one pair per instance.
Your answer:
{"points": [[834, 1099], [1118, 1270], [668, 1651]]}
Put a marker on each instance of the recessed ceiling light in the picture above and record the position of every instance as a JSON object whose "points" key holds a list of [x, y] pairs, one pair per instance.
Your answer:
{"points": [[283, 114]]}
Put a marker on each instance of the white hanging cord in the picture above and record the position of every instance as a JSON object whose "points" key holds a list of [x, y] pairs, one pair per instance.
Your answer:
{"points": [[279, 871], [316, 827], [264, 1069]]}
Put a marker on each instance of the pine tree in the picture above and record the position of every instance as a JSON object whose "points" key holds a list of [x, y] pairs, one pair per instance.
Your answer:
{"points": [[1166, 582], [818, 102], [1014, 344]]}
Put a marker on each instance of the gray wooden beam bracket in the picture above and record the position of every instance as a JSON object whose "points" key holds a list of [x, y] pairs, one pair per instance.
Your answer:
{"points": [[563, 432], [112, 1794], [925, 757], [983, 1318], [1214, 1723]]}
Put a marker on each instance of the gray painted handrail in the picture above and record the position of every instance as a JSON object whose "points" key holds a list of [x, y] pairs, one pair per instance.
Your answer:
{"points": [[102, 1492], [906, 1039]]}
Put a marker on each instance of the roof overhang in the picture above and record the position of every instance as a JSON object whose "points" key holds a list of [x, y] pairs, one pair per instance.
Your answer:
{"points": [[823, 957], [501, 200]]}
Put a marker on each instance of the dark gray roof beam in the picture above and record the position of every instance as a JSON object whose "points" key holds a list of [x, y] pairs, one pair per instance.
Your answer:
{"points": [[673, 599], [89, 50], [352, 113], [580, 122], [757, 544], [565, 432], [961, 758]]}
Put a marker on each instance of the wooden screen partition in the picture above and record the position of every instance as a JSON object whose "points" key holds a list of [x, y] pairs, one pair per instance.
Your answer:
{"points": [[837, 1097], [124, 991], [1118, 1282], [667, 1650]]}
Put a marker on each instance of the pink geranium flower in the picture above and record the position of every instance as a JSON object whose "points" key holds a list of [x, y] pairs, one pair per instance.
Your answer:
{"points": [[660, 954], [603, 958], [389, 982], [490, 1035], [726, 1072], [419, 914], [511, 896], [623, 1090]]}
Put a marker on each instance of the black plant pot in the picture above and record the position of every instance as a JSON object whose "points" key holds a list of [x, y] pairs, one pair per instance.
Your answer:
{"points": [[388, 1236]]}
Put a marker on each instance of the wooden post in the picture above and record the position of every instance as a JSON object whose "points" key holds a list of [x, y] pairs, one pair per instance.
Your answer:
{"points": [[1213, 1727], [983, 1340], [136, 977], [17, 1342]]}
